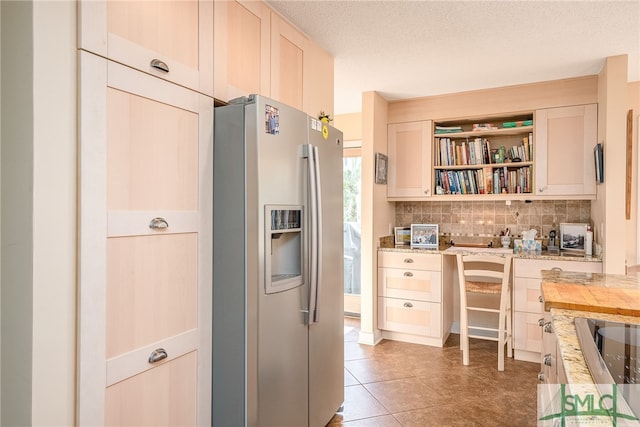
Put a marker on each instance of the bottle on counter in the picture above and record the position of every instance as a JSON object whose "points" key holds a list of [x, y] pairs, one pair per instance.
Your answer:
{"points": [[588, 242]]}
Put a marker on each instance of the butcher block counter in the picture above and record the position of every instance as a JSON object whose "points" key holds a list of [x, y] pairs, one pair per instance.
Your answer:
{"points": [[592, 292]]}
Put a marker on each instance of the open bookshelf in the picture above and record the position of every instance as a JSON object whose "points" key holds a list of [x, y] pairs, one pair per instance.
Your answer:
{"points": [[488, 156]]}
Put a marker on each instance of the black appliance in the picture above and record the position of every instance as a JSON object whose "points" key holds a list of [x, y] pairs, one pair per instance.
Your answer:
{"points": [[612, 353]]}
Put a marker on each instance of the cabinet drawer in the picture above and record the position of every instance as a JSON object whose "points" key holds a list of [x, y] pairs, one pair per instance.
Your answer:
{"points": [[410, 284], [409, 316], [413, 261], [526, 295], [532, 267], [527, 333]]}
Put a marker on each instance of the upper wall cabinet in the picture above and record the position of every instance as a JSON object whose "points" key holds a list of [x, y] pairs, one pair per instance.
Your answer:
{"points": [[172, 40], [287, 62], [242, 49], [257, 51], [565, 138], [409, 172]]}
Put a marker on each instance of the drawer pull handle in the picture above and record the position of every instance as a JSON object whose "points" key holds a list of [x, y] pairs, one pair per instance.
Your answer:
{"points": [[541, 321], [540, 299], [160, 65], [157, 355], [540, 376], [158, 224], [408, 274], [547, 359], [556, 269], [408, 304], [408, 260], [548, 328]]}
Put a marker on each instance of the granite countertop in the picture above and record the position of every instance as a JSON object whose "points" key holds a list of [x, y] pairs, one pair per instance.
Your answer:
{"points": [[447, 250]]}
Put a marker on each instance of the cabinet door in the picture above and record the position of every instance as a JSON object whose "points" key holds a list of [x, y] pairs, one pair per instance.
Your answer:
{"points": [[145, 249], [409, 316], [409, 173], [565, 138], [527, 334], [287, 53], [526, 295], [318, 80], [169, 39], [242, 34]]}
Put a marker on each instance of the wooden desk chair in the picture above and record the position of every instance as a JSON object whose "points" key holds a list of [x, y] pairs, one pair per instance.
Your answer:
{"points": [[485, 287]]}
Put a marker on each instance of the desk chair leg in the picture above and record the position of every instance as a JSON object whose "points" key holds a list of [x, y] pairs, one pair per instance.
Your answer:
{"points": [[464, 336], [509, 329]]}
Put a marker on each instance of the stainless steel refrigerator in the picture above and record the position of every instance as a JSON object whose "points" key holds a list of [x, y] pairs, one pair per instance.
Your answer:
{"points": [[278, 334]]}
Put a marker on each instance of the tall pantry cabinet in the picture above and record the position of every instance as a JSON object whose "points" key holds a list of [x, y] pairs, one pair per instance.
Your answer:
{"points": [[145, 202]]}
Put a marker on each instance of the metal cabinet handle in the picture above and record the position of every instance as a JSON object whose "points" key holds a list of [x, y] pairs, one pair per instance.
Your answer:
{"points": [[556, 269], [408, 260], [157, 355], [158, 224], [408, 274], [427, 192], [408, 304], [540, 299], [541, 321], [547, 359], [547, 328], [159, 65], [541, 189], [540, 376]]}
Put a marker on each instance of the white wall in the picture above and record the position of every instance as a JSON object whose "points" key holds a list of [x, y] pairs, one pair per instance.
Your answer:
{"points": [[608, 210], [38, 174]]}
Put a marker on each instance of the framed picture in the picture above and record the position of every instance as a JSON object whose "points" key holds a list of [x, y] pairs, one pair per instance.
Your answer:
{"points": [[424, 235], [381, 168], [572, 237], [402, 235]]}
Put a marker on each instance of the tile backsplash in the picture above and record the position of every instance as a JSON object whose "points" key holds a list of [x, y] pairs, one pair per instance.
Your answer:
{"points": [[488, 218]]}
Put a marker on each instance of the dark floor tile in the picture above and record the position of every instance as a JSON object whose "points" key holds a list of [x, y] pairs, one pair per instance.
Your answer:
{"points": [[404, 394], [358, 404], [404, 384]]}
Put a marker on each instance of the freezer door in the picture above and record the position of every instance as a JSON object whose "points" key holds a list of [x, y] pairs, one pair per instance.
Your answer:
{"points": [[326, 335], [278, 321]]}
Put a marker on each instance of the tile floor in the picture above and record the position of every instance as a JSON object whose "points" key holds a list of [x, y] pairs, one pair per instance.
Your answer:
{"points": [[398, 384]]}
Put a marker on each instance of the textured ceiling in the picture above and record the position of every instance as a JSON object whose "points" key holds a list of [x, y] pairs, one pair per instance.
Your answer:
{"points": [[406, 49]]}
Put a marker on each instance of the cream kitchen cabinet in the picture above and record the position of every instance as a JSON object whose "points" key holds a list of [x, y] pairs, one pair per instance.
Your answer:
{"points": [[409, 152], [565, 138], [527, 302], [411, 299], [242, 49], [145, 238], [172, 40], [257, 51], [287, 53]]}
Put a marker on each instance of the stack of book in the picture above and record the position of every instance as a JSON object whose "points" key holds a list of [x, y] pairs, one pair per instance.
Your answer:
{"points": [[451, 153], [448, 129]]}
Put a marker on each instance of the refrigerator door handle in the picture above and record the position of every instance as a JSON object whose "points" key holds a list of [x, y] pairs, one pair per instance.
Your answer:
{"points": [[316, 312], [310, 153]]}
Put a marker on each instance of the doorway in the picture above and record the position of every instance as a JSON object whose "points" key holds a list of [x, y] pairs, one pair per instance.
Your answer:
{"points": [[352, 186]]}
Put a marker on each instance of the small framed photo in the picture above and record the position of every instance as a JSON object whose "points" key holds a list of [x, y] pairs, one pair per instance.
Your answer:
{"points": [[424, 235], [402, 235], [381, 168], [573, 236]]}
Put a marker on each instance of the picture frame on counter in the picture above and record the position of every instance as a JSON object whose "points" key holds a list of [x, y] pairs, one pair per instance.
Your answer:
{"points": [[573, 237], [424, 236], [402, 235]]}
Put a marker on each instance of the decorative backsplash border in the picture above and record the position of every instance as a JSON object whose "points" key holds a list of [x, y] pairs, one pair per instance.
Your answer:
{"points": [[488, 218]]}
